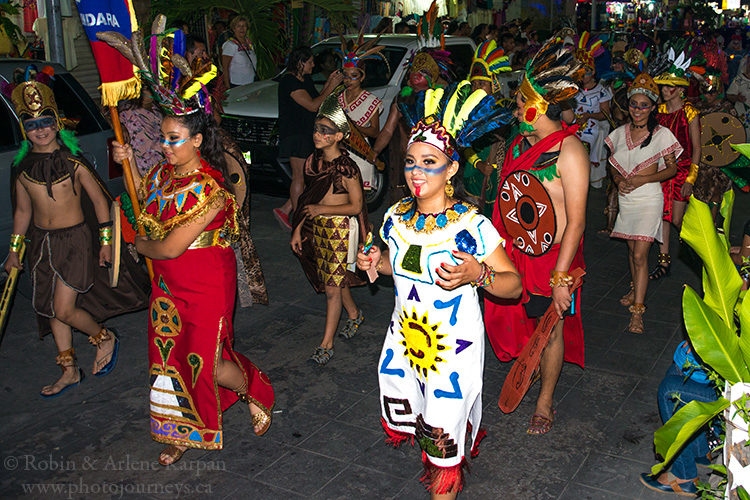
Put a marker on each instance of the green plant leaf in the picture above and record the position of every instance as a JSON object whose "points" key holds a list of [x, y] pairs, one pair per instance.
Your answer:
{"points": [[672, 436], [713, 341], [743, 312], [722, 282], [727, 204]]}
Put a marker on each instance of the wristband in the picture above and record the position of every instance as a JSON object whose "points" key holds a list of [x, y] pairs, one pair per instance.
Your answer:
{"points": [[486, 277], [693, 174], [105, 236], [560, 279], [16, 242], [473, 159], [105, 224]]}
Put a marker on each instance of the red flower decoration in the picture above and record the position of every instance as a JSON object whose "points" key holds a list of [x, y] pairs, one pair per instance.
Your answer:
{"points": [[530, 114]]}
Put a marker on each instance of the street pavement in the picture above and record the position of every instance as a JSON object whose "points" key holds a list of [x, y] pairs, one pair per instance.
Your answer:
{"points": [[326, 440]]}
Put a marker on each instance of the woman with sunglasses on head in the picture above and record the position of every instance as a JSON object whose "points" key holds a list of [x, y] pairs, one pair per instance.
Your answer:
{"points": [[298, 104], [642, 154], [191, 219]]}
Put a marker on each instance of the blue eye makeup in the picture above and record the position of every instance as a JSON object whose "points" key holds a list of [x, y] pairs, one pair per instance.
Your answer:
{"points": [[425, 170], [165, 142]]}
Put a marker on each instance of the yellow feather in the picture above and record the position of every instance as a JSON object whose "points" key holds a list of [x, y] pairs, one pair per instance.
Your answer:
{"points": [[450, 109], [432, 101], [474, 99]]}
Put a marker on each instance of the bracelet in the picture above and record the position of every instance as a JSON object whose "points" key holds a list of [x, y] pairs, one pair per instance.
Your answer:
{"points": [[494, 165], [105, 236], [105, 224], [16, 242], [693, 174], [474, 159], [560, 278], [380, 265], [486, 277]]}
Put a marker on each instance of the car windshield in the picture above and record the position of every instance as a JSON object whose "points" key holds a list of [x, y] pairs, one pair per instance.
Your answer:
{"points": [[377, 74]]}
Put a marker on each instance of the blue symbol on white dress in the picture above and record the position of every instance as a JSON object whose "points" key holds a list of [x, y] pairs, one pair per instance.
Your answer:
{"points": [[455, 394], [387, 361], [454, 303]]}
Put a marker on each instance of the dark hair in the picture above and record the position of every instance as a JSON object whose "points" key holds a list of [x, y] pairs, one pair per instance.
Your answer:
{"points": [[554, 112], [178, 24], [383, 25], [477, 32], [212, 149], [191, 41], [506, 36], [298, 56], [459, 188], [452, 28], [401, 26]]}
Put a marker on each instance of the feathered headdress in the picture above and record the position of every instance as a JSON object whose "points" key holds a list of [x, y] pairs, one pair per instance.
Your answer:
{"points": [[453, 118], [588, 49], [550, 78], [429, 30], [489, 61], [674, 66], [353, 53], [331, 108], [178, 88]]}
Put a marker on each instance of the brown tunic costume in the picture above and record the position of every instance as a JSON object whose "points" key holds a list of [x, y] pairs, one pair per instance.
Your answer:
{"points": [[325, 240], [57, 254]]}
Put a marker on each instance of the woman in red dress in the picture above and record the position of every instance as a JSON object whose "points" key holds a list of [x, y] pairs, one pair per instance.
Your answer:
{"points": [[191, 218]]}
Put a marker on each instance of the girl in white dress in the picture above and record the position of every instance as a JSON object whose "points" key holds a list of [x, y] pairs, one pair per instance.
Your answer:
{"points": [[440, 250], [643, 153]]}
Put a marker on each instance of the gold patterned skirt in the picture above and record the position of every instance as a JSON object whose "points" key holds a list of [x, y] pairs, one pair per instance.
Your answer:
{"points": [[335, 248]]}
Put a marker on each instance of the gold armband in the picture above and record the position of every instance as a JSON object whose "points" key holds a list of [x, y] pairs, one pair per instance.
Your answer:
{"points": [[560, 278], [105, 236], [693, 174], [16, 242], [474, 159]]}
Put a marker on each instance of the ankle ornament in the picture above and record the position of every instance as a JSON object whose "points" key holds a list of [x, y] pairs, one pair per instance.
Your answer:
{"points": [[100, 337], [637, 308], [66, 359]]}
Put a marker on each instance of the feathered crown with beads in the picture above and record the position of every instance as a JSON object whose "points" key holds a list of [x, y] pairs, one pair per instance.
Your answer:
{"points": [[453, 118], [429, 31], [489, 61], [588, 48], [178, 88], [676, 64], [353, 53]]}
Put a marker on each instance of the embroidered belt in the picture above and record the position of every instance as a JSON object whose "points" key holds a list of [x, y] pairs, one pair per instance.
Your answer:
{"points": [[207, 239]]}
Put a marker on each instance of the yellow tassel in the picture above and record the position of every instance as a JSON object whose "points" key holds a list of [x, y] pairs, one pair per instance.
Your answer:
{"points": [[114, 92]]}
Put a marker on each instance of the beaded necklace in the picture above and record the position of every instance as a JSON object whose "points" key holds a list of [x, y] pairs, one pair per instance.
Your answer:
{"points": [[427, 223]]}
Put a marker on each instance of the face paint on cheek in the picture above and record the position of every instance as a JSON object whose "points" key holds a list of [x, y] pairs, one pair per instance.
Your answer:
{"points": [[417, 190]]}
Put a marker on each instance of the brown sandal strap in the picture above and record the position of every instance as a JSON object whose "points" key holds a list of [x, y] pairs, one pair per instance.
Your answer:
{"points": [[637, 309], [66, 358], [100, 337]]}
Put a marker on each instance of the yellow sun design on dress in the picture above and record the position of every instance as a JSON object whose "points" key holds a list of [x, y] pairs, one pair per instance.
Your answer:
{"points": [[421, 342]]}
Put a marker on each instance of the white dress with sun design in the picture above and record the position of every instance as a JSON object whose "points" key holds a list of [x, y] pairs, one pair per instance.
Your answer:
{"points": [[430, 369]]}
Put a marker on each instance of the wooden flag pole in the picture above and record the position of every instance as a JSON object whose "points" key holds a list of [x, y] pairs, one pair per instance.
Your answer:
{"points": [[129, 182]]}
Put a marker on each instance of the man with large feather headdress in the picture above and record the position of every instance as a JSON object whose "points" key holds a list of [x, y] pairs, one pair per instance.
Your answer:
{"points": [[541, 208]]}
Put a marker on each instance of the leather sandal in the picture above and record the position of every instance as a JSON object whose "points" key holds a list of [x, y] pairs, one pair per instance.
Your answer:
{"points": [[629, 298], [351, 328], [262, 420], [662, 269], [171, 452], [636, 318], [65, 359], [96, 340]]}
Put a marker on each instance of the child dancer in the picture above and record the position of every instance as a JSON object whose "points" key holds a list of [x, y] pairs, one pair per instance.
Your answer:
{"points": [[330, 219]]}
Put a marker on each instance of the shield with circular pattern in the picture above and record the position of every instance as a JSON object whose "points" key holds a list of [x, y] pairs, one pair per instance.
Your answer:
{"points": [[527, 213], [718, 132]]}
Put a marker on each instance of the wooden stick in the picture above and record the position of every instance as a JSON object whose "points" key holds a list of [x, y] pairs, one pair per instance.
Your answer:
{"points": [[129, 182]]}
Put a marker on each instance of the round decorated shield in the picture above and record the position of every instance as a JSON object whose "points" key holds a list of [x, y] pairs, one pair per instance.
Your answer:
{"points": [[718, 132], [527, 213], [114, 268]]}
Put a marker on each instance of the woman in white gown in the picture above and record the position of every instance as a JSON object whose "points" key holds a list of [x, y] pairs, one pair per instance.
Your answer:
{"points": [[643, 153]]}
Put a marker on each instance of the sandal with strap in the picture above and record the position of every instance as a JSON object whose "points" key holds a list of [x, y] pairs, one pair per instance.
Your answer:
{"points": [[629, 298], [321, 356], [351, 328], [636, 318], [171, 452], [262, 420], [96, 340], [539, 424], [65, 359], [662, 269]]}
